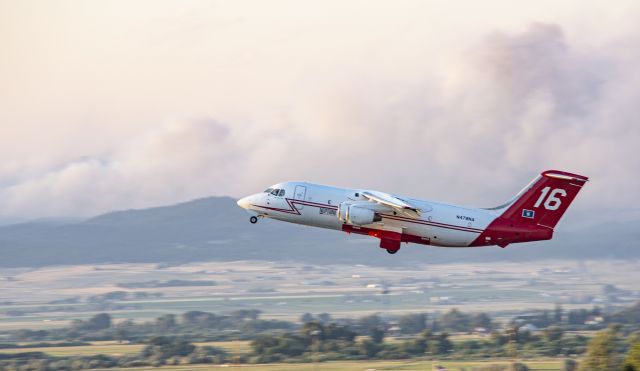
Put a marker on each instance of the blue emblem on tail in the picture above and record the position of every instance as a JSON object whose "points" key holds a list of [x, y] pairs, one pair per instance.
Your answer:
{"points": [[528, 213]]}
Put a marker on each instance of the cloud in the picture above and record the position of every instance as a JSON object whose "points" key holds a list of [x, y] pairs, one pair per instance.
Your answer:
{"points": [[397, 110], [180, 161]]}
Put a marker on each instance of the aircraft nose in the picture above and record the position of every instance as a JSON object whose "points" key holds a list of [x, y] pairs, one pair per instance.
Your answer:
{"points": [[244, 202]]}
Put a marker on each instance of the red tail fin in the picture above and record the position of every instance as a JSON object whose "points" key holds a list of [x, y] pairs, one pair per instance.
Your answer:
{"points": [[546, 200], [535, 211]]}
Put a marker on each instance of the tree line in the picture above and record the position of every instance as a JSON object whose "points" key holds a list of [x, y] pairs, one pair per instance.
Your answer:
{"points": [[169, 339]]}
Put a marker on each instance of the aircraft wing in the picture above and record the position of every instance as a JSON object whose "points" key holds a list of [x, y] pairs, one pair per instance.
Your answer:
{"points": [[398, 205]]}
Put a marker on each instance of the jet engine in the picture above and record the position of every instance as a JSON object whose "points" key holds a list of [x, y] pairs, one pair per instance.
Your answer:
{"points": [[358, 215]]}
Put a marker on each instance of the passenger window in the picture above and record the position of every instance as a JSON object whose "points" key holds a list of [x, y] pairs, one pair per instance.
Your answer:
{"points": [[281, 193]]}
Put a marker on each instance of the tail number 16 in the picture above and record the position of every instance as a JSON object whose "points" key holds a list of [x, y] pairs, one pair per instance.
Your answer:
{"points": [[552, 202]]}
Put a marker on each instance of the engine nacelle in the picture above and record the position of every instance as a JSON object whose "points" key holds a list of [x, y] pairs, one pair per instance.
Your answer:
{"points": [[357, 215]]}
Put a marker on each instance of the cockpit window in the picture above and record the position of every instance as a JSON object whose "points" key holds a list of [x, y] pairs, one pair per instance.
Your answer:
{"points": [[275, 191]]}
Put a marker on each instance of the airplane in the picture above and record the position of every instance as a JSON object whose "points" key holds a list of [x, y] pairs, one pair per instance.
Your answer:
{"points": [[530, 215]]}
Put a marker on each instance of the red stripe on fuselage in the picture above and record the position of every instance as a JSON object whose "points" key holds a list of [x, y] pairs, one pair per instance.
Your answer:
{"points": [[314, 204], [433, 224], [288, 211], [293, 210]]}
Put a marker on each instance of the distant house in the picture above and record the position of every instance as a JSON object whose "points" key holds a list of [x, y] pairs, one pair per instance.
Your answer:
{"points": [[441, 300], [529, 327], [394, 331], [525, 318], [480, 331], [594, 320]]}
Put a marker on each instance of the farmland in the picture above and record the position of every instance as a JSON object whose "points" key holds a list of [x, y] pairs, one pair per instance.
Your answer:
{"points": [[52, 297]]}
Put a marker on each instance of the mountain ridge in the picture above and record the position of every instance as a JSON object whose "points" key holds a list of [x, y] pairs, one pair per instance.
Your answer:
{"points": [[215, 228]]}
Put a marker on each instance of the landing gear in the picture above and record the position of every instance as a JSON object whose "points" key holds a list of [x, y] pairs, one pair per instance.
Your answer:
{"points": [[253, 219], [391, 245]]}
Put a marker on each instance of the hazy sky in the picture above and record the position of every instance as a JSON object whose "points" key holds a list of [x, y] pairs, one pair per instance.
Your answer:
{"points": [[119, 104]]}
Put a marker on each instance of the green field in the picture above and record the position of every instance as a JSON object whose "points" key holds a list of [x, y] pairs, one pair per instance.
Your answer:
{"points": [[551, 365], [116, 349], [242, 347]]}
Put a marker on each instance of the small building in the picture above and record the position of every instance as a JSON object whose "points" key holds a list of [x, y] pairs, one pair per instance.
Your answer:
{"points": [[529, 327], [441, 300], [594, 320], [480, 331]]}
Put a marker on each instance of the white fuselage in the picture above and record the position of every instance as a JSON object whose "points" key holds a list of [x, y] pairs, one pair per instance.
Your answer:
{"points": [[317, 205]]}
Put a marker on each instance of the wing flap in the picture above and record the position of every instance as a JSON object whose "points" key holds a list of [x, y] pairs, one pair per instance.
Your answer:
{"points": [[401, 206]]}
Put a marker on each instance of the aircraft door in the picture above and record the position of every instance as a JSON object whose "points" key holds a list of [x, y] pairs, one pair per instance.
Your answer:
{"points": [[299, 194]]}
